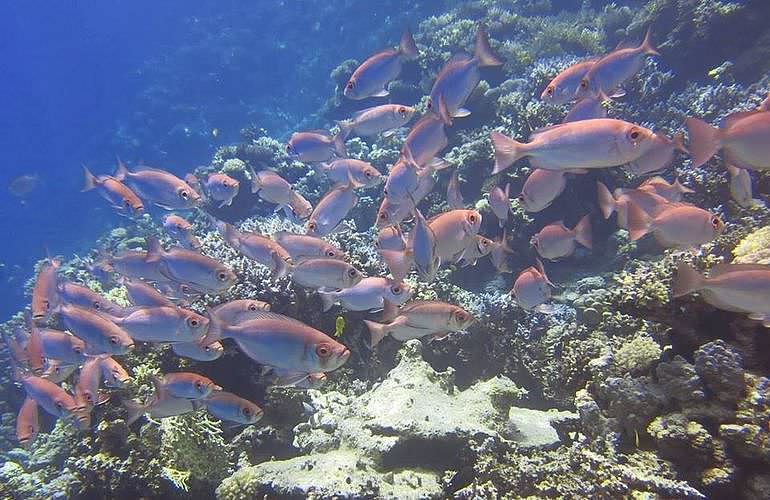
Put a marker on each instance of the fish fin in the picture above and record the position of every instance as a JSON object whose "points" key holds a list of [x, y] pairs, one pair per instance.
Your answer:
{"points": [[639, 223], [483, 51], [686, 281], [678, 142], [436, 164], [616, 93], [389, 133], [407, 47], [461, 113], [327, 299], [346, 127], [546, 308], [377, 332], [507, 151], [134, 410], [607, 202], [121, 171], [539, 266], [90, 181], [339, 145], [443, 112], [704, 141], [154, 250], [647, 46], [389, 311], [583, 232], [254, 180], [682, 188], [381, 93]]}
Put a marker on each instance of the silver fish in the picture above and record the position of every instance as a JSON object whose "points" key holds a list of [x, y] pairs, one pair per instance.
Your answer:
{"points": [[423, 248], [588, 108], [160, 405], [113, 374], [143, 294], [740, 187], [222, 188], [162, 188], [561, 89], [315, 146], [181, 230], [351, 172], [383, 119], [426, 139], [532, 289], [454, 197], [371, 78], [421, 318], [258, 248], [327, 274], [197, 270], [198, 350], [367, 294], [500, 203], [302, 246], [331, 211], [79, 295], [186, 385], [163, 324], [101, 334], [555, 241], [62, 346], [226, 406]]}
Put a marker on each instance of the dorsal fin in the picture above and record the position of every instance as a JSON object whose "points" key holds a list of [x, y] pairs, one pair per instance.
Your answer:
{"points": [[734, 117], [726, 267]]}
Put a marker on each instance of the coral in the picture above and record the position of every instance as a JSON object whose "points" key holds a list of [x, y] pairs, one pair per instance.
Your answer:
{"points": [[636, 355], [680, 381], [754, 248], [719, 365]]}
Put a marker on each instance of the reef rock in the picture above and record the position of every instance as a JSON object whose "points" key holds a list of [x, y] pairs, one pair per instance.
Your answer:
{"points": [[397, 439]]}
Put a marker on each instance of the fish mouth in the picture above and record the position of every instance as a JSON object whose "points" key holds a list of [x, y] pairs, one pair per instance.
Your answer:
{"points": [[343, 357]]}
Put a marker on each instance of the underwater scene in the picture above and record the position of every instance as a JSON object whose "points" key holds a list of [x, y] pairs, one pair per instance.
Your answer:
{"points": [[487, 249]]}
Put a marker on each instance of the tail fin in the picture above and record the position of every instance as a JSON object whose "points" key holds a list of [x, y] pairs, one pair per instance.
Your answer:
{"points": [[483, 51], [389, 311], [507, 151], [678, 141], [687, 280], [407, 47], [346, 127], [121, 171], [327, 299], [443, 111], [638, 221], [583, 232], [377, 332], [90, 180], [134, 410], [606, 201], [255, 185], [154, 250], [339, 145], [647, 46], [398, 261], [704, 140], [681, 187]]}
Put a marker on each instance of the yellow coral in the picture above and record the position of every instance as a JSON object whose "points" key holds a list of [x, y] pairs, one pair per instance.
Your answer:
{"points": [[754, 248], [636, 355]]}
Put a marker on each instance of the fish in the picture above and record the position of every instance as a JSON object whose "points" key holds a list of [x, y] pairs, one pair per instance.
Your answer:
{"points": [[339, 326], [555, 241], [134, 265], [743, 288], [273, 188], [112, 373], [423, 248], [531, 290], [383, 119], [402, 180], [57, 372], [44, 296], [599, 143], [499, 202], [367, 295], [659, 156], [743, 138], [419, 319], [649, 202], [588, 108], [222, 188], [391, 213], [672, 192], [62, 346], [561, 89], [142, 294], [459, 77], [325, 274], [258, 248], [315, 146], [181, 230], [231, 408], [454, 197], [192, 268], [302, 246], [608, 73], [331, 211], [160, 405], [740, 187], [390, 238], [198, 350], [541, 188], [371, 77], [119, 196], [286, 343], [298, 207], [309, 381], [52, 398], [399, 262], [499, 254], [480, 246], [87, 387], [23, 185], [453, 231], [79, 295], [163, 324], [186, 385], [240, 310], [27, 422], [677, 225], [157, 186], [34, 348], [351, 172], [101, 335], [425, 140]]}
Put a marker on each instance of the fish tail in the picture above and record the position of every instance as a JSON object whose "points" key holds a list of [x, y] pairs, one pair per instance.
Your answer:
{"points": [[647, 46], [704, 140], [639, 223], [339, 145], [678, 142], [134, 410], [407, 47], [254, 180], [682, 188], [606, 201], [90, 180], [327, 299], [377, 331], [153, 250], [687, 280], [507, 151], [121, 171], [346, 127], [443, 112], [483, 50], [389, 311], [583, 232]]}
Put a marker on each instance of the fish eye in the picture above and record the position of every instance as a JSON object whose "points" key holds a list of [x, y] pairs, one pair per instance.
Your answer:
{"points": [[472, 218], [246, 411], [199, 385], [323, 350], [331, 253], [179, 226], [97, 305], [77, 350], [352, 273], [59, 405], [396, 290], [634, 134], [193, 322], [311, 226], [369, 174], [382, 215], [252, 307], [114, 376], [402, 110], [184, 194], [715, 222], [351, 85], [583, 83], [461, 316], [114, 340], [549, 90], [127, 203], [222, 276], [430, 104]]}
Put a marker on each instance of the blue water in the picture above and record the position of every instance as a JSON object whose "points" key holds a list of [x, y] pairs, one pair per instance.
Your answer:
{"points": [[86, 81]]}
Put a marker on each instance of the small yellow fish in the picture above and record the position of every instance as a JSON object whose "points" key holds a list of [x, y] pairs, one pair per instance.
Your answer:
{"points": [[339, 326]]}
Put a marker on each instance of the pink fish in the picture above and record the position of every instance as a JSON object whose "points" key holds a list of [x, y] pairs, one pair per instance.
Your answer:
{"points": [[648, 201], [231, 408], [383, 119], [157, 186], [27, 422], [561, 89], [315, 146], [555, 241], [222, 188], [368, 294], [371, 78], [186, 385], [419, 319], [659, 155], [532, 289], [740, 187], [744, 140], [257, 247], [331, 211], [113, 374], [121, 198], [161, 405], [454, 197], [192, 268], [541, 188], [500, 203], [44, 296], [677, 225], [672, 192], [180, 229]]}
